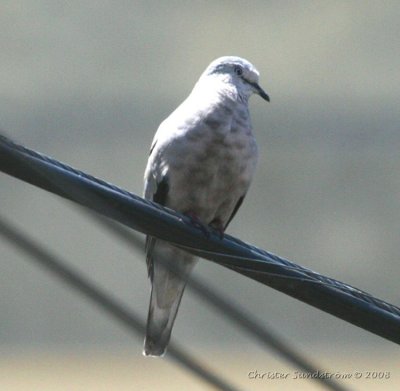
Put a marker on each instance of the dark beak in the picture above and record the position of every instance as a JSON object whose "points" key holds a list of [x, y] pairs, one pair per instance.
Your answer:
{"points": [[261, 92], [258, 90]]}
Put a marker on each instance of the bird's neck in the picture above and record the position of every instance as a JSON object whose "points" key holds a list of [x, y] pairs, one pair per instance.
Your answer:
{"points": [[217, 90]]}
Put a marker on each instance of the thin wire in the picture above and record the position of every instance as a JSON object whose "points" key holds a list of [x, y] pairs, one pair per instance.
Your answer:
{"points": [[302, 274], [332, 296], [111, 306], [225, 307]]}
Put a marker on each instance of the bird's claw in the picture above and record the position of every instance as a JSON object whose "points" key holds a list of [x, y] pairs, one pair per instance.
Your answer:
{"points": [[218, 228], [220, 232], [215, 227], [195, 221]]}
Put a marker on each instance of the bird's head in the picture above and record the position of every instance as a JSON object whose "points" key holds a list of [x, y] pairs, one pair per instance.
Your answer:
{"points": [[238, 72]]}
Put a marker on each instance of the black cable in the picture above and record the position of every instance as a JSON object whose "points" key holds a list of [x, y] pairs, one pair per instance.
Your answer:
{"points": [[111, 306], [327, 294], [224, 306]]}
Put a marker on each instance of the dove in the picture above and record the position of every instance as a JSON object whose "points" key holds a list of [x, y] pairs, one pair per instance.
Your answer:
{"points": [[201, 163]]}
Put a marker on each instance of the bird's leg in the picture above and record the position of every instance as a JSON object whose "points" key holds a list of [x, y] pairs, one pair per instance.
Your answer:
{"points": [[196, 222], [217, 225]]}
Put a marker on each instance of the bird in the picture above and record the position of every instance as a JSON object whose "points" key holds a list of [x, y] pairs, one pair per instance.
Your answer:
{"points": [[201, 163]]}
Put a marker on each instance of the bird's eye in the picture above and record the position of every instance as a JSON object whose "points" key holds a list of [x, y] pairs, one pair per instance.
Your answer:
{"points": [[238, 70]]}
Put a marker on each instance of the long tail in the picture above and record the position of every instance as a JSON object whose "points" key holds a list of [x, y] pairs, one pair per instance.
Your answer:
{"points": [[166, 295]]}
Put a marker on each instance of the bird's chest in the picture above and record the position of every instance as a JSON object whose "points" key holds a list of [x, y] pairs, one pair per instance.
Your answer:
{"points": [[220, 165], [225, 158], [211, 163]]}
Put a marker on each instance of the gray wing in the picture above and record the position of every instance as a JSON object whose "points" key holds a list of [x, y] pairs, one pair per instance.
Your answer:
{"points": [[160, 196]]}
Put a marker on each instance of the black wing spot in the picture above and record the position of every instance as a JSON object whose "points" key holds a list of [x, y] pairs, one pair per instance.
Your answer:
{"points": [[160, 196], [237, 206], [150, 242]]}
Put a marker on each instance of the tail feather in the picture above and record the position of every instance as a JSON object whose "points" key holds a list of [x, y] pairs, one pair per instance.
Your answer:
{"points": [[159, 324], [166, 295]]}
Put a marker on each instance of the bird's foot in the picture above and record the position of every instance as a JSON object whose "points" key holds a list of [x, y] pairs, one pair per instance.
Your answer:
{"points": [[218, 228], [196, 222]]}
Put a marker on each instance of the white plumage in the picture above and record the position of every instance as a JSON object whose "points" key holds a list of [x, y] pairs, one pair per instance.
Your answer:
{"points": [[201, 163]]}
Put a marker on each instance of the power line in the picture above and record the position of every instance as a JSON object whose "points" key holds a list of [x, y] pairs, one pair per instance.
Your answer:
{"points": [[243, 319], [87, 288], [327, 294], [224, 306]]}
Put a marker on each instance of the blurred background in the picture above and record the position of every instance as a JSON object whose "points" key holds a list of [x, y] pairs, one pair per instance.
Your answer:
{"points": [[89, 82]]}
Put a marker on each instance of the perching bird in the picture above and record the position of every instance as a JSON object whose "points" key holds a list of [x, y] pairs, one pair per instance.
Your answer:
{"points": [[201, 163]]}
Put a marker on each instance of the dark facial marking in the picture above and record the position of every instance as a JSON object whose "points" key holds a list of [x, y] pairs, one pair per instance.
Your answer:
{"points": [[152, 147]]}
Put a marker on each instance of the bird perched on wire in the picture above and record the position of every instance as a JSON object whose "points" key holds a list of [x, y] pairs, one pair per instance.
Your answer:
{"points": [[201, 163]]}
